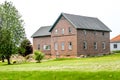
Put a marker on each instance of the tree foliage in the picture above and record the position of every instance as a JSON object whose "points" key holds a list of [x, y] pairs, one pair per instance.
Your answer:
{"points": [[11, 30], [25, 48]]}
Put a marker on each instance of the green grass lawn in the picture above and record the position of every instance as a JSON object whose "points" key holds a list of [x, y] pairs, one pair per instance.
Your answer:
{"points": [[94, 68]]}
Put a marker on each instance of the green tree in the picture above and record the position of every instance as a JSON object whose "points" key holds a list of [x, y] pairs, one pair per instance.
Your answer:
{"points": [[11, 30], [25, 47]]}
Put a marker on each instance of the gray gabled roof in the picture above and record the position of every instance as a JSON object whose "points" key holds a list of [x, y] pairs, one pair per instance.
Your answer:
{"points": [[83, 22], [42, 31]]}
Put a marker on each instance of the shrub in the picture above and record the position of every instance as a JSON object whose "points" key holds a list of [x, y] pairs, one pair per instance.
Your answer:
{"points": [[116, 51], [38, 56]]}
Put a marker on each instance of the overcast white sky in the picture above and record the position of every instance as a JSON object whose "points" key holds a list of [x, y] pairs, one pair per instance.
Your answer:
{"points": [[37, 13]]}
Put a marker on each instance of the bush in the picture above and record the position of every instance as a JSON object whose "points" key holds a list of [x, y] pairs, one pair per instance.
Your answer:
{"points": [[38, 56], [116, 51]]}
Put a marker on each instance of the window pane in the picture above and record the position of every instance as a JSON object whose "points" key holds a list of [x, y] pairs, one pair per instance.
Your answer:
{"points": [[56, 31], [56, 46], [115, 45], [103, 45], [46, 47], [103, 33], [84, 45], [69, 30], [95, 45], [62, 31], [63, 46], [38, 46], [70, 46], [95, 32], [85, 32]]}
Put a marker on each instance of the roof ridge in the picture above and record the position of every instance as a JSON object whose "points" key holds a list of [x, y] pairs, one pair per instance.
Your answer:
{"points": [[79, 15]]}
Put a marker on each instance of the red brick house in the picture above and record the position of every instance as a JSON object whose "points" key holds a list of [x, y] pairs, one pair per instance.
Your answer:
{"points": [[73, 36]]}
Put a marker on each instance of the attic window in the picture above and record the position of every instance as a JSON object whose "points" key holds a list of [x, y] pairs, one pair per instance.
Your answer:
{"points": [[63, 31], [95, 32], [69, 30], [56, 31], [103, 33], [85, 32]]}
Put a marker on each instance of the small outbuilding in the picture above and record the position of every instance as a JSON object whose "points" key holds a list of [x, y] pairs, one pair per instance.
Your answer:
{"points": [[115, 43]]}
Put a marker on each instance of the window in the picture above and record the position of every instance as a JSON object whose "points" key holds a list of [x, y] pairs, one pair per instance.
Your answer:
{"points": [[38, 46], [70, 45], [103, 45], [84, 45], [56, 46], [46, 47], [69, 30], [62, 46], [85, 32], [115, 45], [56, 31], [62, 31], [95, 32], [95, 45], [103, 33]]}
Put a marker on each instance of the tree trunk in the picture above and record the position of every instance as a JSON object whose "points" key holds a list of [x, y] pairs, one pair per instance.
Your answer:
{"points": [[8, 59], [3, 59]]}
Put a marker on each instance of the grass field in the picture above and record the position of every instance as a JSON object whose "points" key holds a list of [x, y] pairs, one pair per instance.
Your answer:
{"points": [[94, 68]]}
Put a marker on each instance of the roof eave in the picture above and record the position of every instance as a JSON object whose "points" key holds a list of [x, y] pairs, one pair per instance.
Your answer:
{"points": [[41, 36], [93, 29], [55, 23]]}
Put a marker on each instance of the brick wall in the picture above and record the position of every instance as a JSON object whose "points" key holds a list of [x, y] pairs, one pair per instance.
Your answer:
{"points": [[42, 41], [90, 38], [66, 38]]}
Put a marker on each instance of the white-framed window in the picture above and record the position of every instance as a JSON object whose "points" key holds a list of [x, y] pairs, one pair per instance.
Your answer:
{"points": [[115, 45], [70, 45], [62, 46], [85, 32], [56, 46], [46, 47], [84, 45], [63, 31], [56, 31], [95, 45], [103, 45], [38, 46], [69, 30]]}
